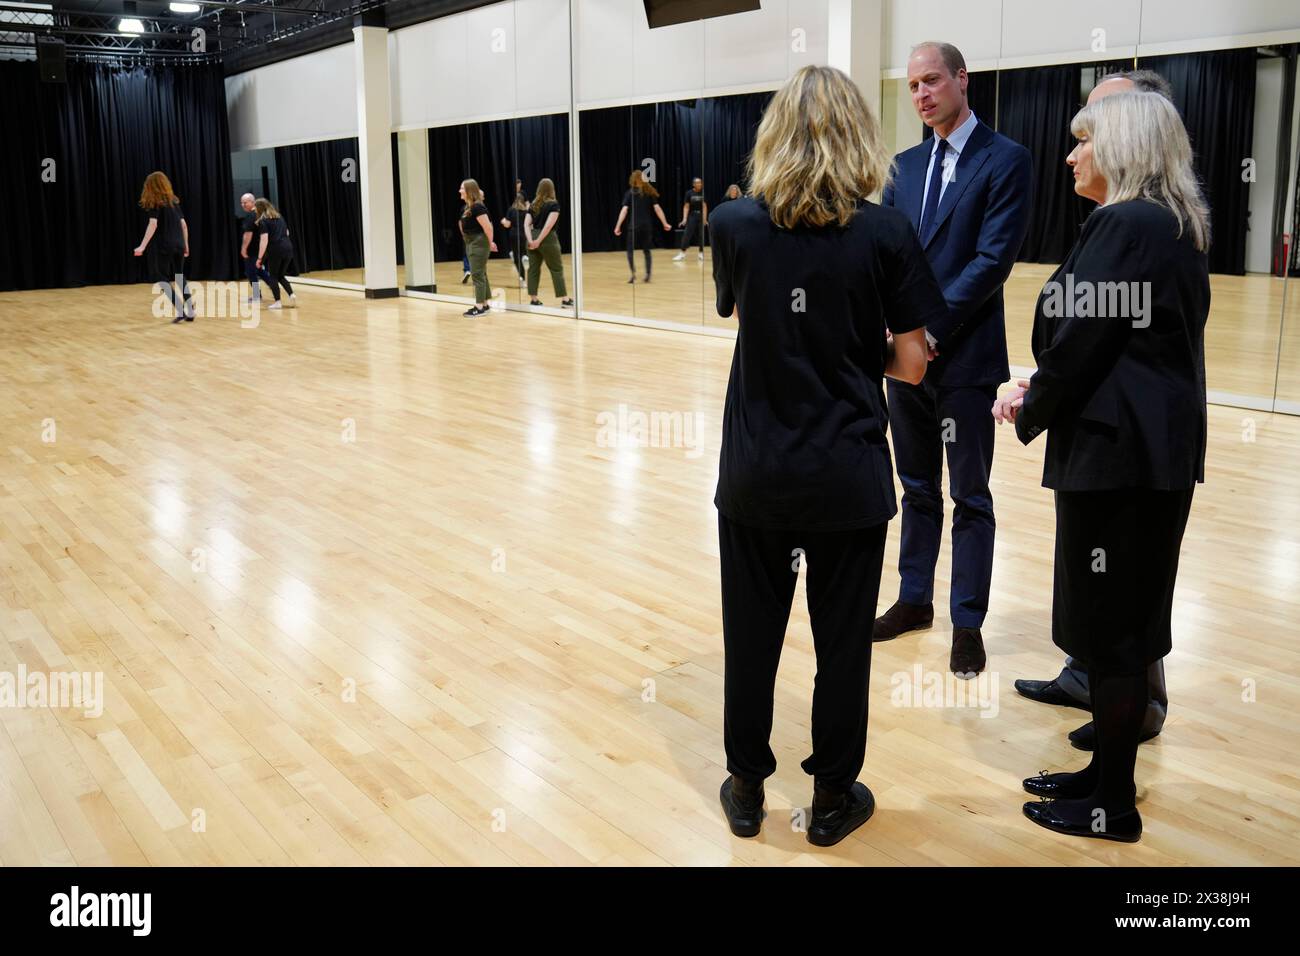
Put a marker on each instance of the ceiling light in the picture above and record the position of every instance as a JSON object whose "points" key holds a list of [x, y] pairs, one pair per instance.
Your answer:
{"points": [[130, 25], [184, 7]]}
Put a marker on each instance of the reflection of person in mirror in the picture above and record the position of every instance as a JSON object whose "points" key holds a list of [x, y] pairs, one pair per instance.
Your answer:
{"points": [[544, 245], [476, 230], [274, 250], [733, 192], [512, 221], [695, 216], [640, 207]]}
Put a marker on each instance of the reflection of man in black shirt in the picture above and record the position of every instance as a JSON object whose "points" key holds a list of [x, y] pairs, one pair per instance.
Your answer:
{"points": [[695, 216]]}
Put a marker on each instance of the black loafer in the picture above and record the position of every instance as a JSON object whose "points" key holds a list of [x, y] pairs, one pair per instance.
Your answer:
{"points": [[743, 805], [836, 816], [1053, 785], [1049, 692], [1085, 737], [1123, 828], [900, 619]]}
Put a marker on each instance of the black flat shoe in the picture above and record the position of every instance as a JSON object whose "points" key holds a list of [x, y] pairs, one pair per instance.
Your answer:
{"points": [[1049, 692], [567, 304], [473, 312], [839, 815], [631, 280], [1085, 737], [1053, 785], [535, 302], [1123, 828], [743, 805], [900, 619]]}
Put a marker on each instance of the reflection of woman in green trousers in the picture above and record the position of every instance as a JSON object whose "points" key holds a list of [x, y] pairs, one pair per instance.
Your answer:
{"points": [[476, 229], [545, 246]]}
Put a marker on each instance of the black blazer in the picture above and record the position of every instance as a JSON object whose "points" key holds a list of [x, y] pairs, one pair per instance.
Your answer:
{"points": [[1122, 397], [971, 246]]}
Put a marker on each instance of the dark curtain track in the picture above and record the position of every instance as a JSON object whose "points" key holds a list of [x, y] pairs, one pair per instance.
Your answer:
{"points": [[710, 138], [320, 205], [495, 154], [106, 129]]}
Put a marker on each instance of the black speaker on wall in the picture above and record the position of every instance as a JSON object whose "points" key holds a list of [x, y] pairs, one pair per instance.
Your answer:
{"points": [[50, 58], [663, 13]]}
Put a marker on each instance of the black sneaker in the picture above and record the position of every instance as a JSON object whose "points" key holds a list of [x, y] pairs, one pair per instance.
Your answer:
{"points": [[474, 312], [836, 815]]}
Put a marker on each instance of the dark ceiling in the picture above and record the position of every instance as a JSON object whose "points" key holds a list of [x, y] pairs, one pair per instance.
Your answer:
{"points": [[241, 34]]}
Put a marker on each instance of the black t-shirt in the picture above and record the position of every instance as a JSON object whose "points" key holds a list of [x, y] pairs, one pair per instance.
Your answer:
{"points": [[277, 232], [640, 211], [168, 237], [803, 431], [542, 214], [695, 201], [469, 219]]}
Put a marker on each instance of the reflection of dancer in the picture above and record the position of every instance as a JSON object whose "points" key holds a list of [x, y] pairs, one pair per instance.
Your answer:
{"points": [[274, 250], [695, 216], [546, 245], [170, 235], [247, 247], [640, 201], [733, 192], [513, 220], [476, 230]]}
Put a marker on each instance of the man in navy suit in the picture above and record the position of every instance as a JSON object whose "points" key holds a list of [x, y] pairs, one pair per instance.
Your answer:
{"points": [[967, 190]]}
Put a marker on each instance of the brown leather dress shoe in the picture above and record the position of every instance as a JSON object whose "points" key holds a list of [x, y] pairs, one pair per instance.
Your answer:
{"points": [[900, 619], [968, 657]]}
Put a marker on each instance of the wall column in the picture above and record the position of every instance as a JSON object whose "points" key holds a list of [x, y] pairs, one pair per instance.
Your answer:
{"points": [[374, 123]]}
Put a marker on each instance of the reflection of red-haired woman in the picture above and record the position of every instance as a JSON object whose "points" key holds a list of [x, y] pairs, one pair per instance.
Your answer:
{"points": [[642, 201], [167, 237]]}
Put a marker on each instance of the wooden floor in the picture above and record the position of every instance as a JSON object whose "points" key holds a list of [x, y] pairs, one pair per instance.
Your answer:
{"points": [[366, 585], [1243, 334]]}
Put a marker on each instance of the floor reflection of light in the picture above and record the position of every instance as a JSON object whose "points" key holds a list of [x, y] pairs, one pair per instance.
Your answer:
{"points": [[541, 442], [168, 510], [626, 463], [294, 602]]}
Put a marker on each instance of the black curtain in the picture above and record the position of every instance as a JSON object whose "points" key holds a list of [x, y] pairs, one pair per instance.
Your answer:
{"points": [[320, 199], [495, 154], [106, 129], [1215, 93], [710, 138]]}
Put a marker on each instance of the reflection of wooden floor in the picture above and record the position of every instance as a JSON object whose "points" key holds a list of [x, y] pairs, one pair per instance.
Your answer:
{"points": [[365, 585], [1241, 340]]}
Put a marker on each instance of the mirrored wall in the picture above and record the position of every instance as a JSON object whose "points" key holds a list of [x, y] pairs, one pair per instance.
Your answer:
{"points": [[315, 188]]}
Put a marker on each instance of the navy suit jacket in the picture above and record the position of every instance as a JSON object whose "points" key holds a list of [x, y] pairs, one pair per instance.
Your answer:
{"points": [[971, 245]]}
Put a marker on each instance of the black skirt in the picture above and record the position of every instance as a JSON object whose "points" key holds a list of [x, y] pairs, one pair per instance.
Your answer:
{"points": [[1116, 563]]}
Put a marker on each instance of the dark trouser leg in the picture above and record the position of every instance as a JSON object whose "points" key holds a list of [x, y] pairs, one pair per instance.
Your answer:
{"points": [[645, 239], [918, 455], [843, 585], [517, 253], [477, 250], [169, 267], [550, 253], [966, 428], [631, 250], [757, 589], [275, 265], [535, 272], [1119, 705], [692, 232]]}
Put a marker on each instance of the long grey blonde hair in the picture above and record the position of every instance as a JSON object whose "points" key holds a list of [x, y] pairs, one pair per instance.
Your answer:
{"points": [[1140, 147], [818, 151]]}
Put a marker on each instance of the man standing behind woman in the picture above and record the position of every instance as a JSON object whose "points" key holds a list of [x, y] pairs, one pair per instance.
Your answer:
{"points": [[167, 240], [816, 276], [966, 192], [1121, 396]]}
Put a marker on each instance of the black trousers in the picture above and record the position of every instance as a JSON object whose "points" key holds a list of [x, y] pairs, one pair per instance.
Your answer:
{"points": [[759, 570], [693, 231], [167, 267], [639, 238], [277, 261]]}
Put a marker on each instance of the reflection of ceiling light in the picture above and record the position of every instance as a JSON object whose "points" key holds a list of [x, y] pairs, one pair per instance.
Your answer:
{"points": [[130, 25], [184, 7]]}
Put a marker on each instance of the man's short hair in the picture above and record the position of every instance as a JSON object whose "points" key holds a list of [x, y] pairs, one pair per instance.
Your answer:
{"points": [[950, 55], [1146, 81]]}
